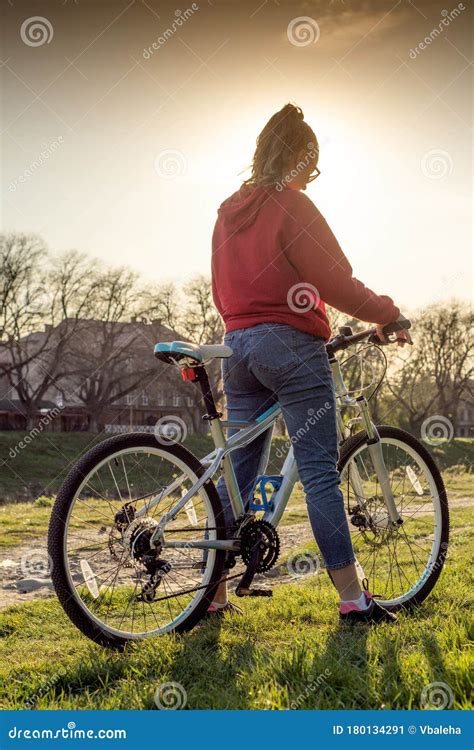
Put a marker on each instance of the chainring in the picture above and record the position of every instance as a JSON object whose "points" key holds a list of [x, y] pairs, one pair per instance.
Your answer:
{"points": [[260, 531]]}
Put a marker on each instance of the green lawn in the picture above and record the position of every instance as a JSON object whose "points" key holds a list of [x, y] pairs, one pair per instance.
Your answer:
{"points": [[40, 467], [286, 652], [22, 521]]}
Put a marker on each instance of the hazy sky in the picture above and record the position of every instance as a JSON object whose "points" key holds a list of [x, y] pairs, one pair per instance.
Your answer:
{"points": [[126, 153]]}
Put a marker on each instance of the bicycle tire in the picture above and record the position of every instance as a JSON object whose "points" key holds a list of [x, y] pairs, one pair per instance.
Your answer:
{"points": [[352, 445], [58, 523]]}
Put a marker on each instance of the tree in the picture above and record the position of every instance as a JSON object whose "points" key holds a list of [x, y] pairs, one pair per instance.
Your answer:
{"points": [[111, 354], [37, 292], [202, 324], [22, 284], [163, 301], [431, 378]]}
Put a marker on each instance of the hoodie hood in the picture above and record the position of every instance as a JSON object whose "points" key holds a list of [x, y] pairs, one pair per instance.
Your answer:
{"points": [[241, 210]]}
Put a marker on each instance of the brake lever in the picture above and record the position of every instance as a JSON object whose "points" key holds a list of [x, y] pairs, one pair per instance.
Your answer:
{"points": [[374, 339]]}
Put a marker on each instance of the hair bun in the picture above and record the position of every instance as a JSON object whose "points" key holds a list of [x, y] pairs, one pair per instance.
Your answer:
{"points": [[292, 111], [280, 142]]}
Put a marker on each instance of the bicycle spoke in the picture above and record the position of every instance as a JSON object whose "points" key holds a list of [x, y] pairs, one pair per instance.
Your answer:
{"points": [[394, 559], [121, 593]]}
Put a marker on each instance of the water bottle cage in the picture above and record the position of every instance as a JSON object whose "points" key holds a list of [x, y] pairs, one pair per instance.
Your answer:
{"points": [[266, 504]]}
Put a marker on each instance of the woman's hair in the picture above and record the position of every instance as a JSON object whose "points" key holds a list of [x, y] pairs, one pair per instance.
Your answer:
{"points": [[279, 144]]}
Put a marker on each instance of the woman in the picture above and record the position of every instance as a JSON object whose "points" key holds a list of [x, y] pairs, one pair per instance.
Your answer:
{"points": [[275, 263]]}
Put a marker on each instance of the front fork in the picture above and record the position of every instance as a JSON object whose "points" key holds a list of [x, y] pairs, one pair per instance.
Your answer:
{"points": [[374, 446]]}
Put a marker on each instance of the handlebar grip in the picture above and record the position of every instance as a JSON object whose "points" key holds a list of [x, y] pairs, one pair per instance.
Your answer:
{"points": [[397, 325]]}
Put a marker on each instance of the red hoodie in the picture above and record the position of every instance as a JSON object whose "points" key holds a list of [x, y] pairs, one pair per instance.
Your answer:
{"points": [[275, 260]]}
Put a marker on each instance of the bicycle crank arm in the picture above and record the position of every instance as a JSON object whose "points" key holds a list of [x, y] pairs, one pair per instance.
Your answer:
{"points": [[243, 587]]}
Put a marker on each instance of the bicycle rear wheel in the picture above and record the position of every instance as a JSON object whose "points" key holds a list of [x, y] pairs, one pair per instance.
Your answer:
{"points": [[99, 541], [402, 564]]}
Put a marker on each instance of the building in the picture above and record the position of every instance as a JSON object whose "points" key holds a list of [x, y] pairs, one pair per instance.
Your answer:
{"points": [[90, 375], [465, 418]]}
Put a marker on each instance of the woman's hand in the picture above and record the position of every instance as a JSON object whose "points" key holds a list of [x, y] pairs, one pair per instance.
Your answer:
{"points": [[402, 337]]}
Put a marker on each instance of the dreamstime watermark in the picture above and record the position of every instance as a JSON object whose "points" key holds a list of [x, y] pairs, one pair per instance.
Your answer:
{"points": [[435, 565], [438, 563], [36, 563], [436, 430], [170, 164], [36, 31], [70, 732], [311, 420], [436, 696], [43, 422], [181, 18], [311, 688], [310, 155], [447, 18], [303, 31], [436, 164], [302, 297], [170, 429], [303, 564], [170, 696], [45, 154], [33, 699]]}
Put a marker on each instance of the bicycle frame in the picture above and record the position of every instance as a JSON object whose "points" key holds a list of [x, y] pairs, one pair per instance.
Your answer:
{"points": [[247, 432]]}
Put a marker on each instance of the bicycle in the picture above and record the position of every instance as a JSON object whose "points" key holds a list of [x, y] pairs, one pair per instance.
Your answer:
{"points": [[137, 540]]}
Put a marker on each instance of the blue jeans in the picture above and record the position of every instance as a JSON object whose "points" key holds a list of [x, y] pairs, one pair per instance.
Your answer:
{"points": [[274, 363]]}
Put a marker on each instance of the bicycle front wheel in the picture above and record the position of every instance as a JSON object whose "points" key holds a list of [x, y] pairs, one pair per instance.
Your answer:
{"points": [[111, 583], [402, 564]]}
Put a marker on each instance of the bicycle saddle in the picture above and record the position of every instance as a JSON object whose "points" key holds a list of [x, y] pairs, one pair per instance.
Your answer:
{"points": [[174, 351]]}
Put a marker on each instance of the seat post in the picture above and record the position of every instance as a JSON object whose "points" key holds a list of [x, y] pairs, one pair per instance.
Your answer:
{"points": [[210, 404], [217, 433], [212, 415]]}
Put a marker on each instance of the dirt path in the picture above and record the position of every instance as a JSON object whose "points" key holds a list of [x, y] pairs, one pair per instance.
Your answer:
{"points": [[25, 570]]}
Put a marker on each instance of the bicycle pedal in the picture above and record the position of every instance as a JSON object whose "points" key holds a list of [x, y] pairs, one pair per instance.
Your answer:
{"points": [[241, 591]]}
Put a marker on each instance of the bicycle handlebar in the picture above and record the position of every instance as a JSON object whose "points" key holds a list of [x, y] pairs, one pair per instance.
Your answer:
{"points": [[397, 325], [343, 341]]}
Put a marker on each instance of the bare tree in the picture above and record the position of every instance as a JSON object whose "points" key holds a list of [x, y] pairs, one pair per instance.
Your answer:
{"points": [[33, 362], [22, 284], [163, 303], [434, 376], [202, 324], [111, 355]]}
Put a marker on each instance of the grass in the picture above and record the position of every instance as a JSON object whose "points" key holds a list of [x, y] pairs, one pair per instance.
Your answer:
{"points": [[40, 467], [20, 522], [287, 652]]}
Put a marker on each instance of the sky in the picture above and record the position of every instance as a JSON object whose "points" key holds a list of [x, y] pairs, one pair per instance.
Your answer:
{"points": [[125, 124]]}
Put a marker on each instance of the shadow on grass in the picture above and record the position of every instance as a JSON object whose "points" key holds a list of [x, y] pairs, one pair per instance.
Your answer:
{"points": [[458, 682], [345, 664], [206, 674], [213, 674]]}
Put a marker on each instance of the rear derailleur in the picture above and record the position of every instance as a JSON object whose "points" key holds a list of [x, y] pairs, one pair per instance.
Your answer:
{"points": [[136, 539], [159, 568]]}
